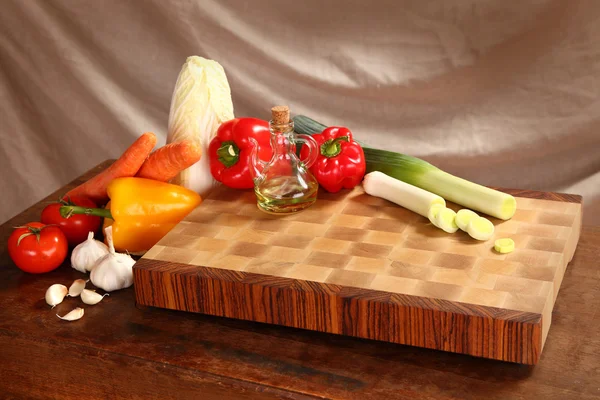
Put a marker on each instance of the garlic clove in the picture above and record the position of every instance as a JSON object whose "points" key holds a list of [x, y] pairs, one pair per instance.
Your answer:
{"points": [[85, 255], [91, 297], [72, 315], [76, 287], [55, 294]]}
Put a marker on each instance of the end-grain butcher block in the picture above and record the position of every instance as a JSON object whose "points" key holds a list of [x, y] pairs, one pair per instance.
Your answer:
{"points": [[358, 265]]}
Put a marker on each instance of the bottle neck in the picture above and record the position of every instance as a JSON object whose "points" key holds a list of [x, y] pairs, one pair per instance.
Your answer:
{"points": [[281, 129], [281, 138]]}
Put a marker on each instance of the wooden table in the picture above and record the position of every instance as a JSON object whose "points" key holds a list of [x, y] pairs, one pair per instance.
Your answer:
{"points": [[120, 350]]}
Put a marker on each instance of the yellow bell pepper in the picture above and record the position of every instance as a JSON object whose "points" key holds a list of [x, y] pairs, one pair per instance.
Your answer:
{"points": [[141, 211]]}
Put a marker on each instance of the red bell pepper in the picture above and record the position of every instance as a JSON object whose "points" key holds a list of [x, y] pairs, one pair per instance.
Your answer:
{"points": [[341, 162], [230, 151]]}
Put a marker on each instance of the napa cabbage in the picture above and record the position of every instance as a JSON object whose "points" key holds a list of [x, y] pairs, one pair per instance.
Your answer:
{"points": [[201, 102]]}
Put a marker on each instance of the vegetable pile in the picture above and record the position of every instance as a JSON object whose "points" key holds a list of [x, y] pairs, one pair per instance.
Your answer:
{"points": [[135, 201], [132, 195], [149, 190]]}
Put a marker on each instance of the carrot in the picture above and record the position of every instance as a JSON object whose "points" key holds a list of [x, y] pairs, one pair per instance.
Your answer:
{"points": [[166, 162], [126, 166]]}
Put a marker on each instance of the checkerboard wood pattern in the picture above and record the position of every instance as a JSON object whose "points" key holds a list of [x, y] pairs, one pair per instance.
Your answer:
{"points": [[359, 265]]}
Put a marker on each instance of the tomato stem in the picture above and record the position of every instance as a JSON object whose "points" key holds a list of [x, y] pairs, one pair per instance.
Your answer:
{"points": [[32, 231]]}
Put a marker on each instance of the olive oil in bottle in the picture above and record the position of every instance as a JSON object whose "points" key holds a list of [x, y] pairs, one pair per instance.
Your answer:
{"points": [[285, 184]]}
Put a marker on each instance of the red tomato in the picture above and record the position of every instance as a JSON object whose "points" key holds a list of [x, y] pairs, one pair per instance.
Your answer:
{"points": [[77, 226], [37, 248]]}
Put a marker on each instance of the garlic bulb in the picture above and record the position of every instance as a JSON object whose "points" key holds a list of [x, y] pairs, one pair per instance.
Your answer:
{"points": [[86, 254], [56, 294], [114, 271]]}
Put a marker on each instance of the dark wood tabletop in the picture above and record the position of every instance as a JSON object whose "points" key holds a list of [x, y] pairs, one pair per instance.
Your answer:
{"points": [[119, 350]]}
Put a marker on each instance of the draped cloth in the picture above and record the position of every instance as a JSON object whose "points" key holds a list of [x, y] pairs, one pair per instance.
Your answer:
{"points": [[503, 93]]}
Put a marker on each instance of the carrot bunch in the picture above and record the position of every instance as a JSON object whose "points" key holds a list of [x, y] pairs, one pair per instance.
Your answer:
{"points": [[140, 160]]}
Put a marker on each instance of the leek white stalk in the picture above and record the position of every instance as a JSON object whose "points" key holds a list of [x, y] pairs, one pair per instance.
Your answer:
{"points": [[422, 174], [408, 196]]}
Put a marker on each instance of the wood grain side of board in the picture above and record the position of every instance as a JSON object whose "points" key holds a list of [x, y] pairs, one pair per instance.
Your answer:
{"points": [[403, 319], [337, 269]]}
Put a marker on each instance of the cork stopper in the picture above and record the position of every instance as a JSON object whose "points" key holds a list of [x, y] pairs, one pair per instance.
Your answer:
{"points": [[280, 115]]}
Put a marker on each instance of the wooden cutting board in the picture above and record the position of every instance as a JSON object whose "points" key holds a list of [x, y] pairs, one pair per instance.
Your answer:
{"points": [[357, 265]]}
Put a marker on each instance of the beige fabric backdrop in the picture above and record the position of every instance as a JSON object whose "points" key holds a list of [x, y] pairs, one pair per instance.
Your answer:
{"points": [[500, 92]]}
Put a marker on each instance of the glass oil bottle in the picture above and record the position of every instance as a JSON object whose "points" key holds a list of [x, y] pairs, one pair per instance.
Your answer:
{"points": [[285, 184]]}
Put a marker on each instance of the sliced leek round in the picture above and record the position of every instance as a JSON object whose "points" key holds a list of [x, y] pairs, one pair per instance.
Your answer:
{"points": [[445, 220], [433, 212], [504, 245], [463, 217], [480, 228]]}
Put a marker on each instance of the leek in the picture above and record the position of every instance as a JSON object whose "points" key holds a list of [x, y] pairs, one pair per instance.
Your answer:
{"points": [[426, 176], [408, 196]]}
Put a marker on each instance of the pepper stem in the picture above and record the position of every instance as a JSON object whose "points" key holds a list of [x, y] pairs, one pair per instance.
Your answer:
{"points": [[228, 153], [67, 211], [333, 147]]}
